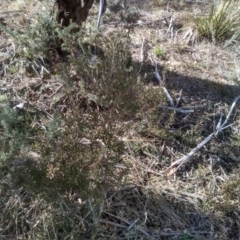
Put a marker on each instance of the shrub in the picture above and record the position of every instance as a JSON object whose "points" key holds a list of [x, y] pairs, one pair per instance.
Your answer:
{"points": [[79, 148], [222, 22], [159, 52]]}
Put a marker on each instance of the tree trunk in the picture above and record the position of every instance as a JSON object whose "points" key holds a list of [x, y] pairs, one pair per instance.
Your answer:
{"points": [[74, 10]]}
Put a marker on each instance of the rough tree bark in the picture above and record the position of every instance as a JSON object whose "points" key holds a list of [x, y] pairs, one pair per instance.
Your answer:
{"points": [[76, 10]]}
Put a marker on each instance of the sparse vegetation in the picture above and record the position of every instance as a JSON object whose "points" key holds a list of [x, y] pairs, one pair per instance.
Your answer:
{"points": [[86, 135]]}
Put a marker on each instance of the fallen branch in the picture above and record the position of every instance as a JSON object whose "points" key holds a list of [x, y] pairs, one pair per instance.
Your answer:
{"points": [[156, 72], [220, 127], [173, 106], [181, 110], [170, 27], [157, 75], [179, 98], [151, 22], [143, 54], [169, 97]]}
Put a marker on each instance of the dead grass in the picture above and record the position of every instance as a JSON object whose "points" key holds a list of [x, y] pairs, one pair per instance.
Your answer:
{"points": [[194, 203]]}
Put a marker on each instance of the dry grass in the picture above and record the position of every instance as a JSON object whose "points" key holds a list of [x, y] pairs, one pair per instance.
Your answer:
{"points": [[201, 200]]}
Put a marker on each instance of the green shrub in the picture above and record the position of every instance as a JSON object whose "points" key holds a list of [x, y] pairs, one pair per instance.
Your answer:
{"points": [[40, 44], [159, 52], [79, 148], [75, 136], [222, 22]]}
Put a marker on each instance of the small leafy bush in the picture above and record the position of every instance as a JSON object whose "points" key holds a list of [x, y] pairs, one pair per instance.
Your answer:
{"points": [[159, 52], [222, 22], [129, 16]]}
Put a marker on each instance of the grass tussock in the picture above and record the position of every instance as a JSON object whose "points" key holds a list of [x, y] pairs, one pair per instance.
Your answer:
{"points": [[222, 22]]}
